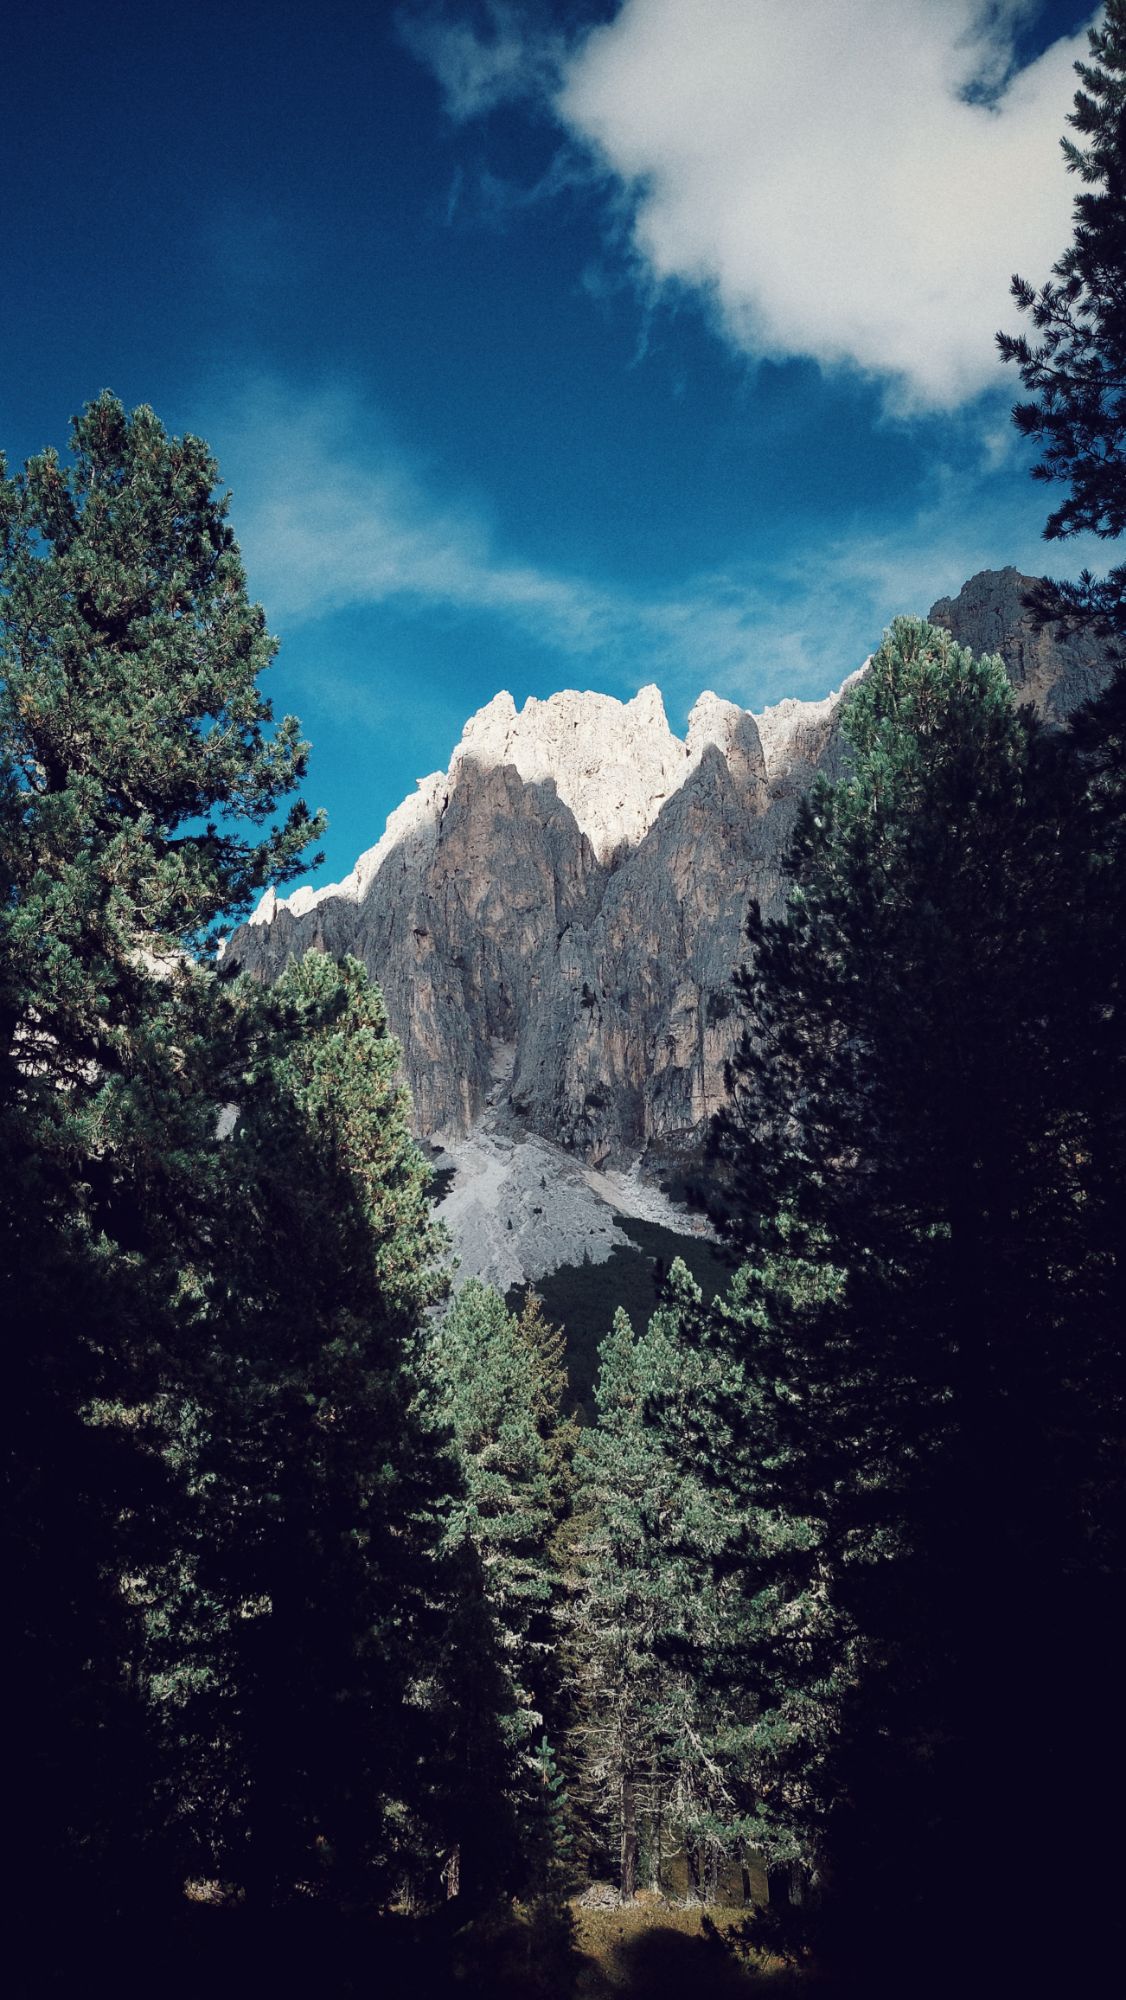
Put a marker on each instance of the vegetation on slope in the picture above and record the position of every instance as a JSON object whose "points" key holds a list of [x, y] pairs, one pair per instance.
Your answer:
{"points": [[583, 1298]]}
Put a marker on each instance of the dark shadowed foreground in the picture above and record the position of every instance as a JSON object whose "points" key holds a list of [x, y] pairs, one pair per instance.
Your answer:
{"points": [[646, 1952]]}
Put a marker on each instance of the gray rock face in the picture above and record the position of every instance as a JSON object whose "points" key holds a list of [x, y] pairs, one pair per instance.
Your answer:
{"points": [[556, 954], [1054, 675], [519, 1208]]}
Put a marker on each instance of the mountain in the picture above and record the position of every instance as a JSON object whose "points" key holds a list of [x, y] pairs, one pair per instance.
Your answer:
{"points": [[554, 919]]}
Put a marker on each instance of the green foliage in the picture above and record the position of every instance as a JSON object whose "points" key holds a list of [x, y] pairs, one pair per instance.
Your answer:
{"points": [[584, 1297], [548, 1839], [320, 1472], [131, 710], [618, 1589], [500, 1383], [241, 1645], [132, 744], [1075, 371], [663, 1760], [547, 1345], [903, 878], [925, 1135]]}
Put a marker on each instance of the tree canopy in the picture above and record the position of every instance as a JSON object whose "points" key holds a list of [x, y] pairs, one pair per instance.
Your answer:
{"points": [[237, 1634], [925, 1133], [1074, 366]]}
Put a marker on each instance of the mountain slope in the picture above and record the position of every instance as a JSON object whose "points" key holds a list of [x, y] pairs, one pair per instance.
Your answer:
{"points": [[554, 919]]}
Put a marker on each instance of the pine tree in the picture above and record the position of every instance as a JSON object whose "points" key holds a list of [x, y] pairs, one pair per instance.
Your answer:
{"points": [[768, 1669], [619, 1676], [499, 1382], [322, 1470], [134, 750], [240, 1643], [1075, 371], [916, 1125], [662, 1769], [549, 1382]]}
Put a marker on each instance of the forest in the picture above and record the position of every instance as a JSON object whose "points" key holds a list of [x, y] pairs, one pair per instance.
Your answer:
{"points": [[340, 1655]]}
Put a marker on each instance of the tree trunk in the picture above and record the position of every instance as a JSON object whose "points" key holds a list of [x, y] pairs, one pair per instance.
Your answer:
{"points": [[787, 1886], [780, 1886], [452, 1872], [656, 1868], [711, 1873], [629, 1838]]}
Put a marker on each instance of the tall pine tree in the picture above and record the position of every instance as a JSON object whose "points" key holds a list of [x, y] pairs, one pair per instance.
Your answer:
{"points": [[664, 1755], [1075, 368], [135, 751], [323, 1474], [917, 1126], [499, 1383], [239, 1643]]}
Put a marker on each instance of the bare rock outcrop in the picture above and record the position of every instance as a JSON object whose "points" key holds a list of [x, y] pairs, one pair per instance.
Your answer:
{"points": [[1054, 672], [587, 929], [554, 920]]}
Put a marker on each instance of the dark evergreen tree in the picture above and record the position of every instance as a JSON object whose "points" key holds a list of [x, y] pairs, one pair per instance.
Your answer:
{"points": [[663, 1767], [921, 1146], [499, 1383], [768, 1665], [549, 1382], [134, 749], [1075, 368], [241, 1645], [612, 1616], [323, 1473]]}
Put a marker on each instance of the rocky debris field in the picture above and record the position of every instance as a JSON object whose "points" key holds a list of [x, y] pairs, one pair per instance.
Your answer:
{"points": [[520, 1208]]}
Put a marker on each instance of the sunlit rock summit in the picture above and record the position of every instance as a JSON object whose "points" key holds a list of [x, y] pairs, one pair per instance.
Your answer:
{"points": [[555, 918]]}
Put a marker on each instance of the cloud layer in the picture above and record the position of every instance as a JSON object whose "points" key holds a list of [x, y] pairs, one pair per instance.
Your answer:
{"points": [[484, 60], [332, 516], [855, 183]]}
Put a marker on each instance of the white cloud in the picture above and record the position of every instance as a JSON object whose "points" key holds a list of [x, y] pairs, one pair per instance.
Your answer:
{"points": [[851, 180], [482, 66], [330, 516]]}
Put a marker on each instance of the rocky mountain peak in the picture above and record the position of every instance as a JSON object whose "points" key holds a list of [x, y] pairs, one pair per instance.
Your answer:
{"points": [[554, 920], [422, 809], [793, 731], [613, 763], [1051, 669]]}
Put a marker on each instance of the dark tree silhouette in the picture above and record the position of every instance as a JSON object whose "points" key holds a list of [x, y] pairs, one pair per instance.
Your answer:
{"points": [[1074, 365]]}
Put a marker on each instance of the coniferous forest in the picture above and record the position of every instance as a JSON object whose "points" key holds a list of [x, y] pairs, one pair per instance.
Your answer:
{"points": [[342, 1657]]}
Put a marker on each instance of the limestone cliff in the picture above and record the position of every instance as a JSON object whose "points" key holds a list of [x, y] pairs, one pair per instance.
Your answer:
{"points": [[555, 918], [1052, 671]]}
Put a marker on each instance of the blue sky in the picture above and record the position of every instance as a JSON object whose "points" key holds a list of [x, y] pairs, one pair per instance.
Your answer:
{"points": [[548, 346]]}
